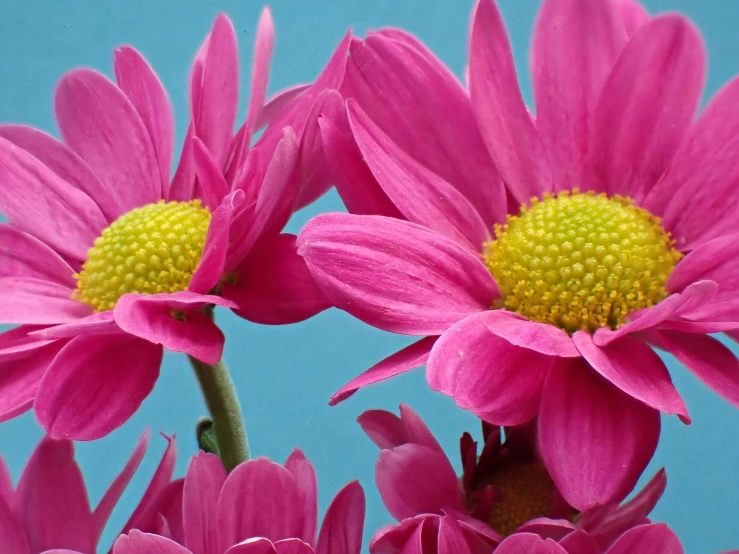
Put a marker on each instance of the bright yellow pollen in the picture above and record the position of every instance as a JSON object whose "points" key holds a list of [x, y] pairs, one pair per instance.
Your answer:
{"points": [[580, 261], [152, 249]]}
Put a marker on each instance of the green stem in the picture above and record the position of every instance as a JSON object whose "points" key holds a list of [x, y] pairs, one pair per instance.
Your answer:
{"points": [[223, 405]]}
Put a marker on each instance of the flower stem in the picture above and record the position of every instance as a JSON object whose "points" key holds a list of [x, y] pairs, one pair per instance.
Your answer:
{"points": [[225, 411]]}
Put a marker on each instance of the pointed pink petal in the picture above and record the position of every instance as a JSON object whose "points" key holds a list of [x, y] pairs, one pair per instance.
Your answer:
{"points": [[22, 255], [99, 323], [174, 321], [633, 15], [393, 274], [594, 439], [19, 341], [305, 477], [654, 538], [52, 500], [406, 90], [647, 105], [579, 542], [341, 531], [37, 301], [203, 484], [212, 183], [138, 80], [497, 381], [279, 104], [574, 46], [12, 535], [631, 365], [387, 430], [143, 543], [98, 121], [95, 384], [253, 546], [539, 337], [421, 196], [530, 544], [65, 163], [504, 121], [182, 188], [263, 46], [38, 201], [410, 357]]}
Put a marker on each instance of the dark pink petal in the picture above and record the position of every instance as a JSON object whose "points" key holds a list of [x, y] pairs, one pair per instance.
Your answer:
{"points": [[274, 509], [595, 440], [647, 105], [393, 274], [387, 430], [574, 47], [341, 531], [451, 537], [213, 186], [633, 15], [22, 255], [98, 121], [406, 90], [138, 80], [203, 483], [539, 337], [292, 546], [421, 196], [655, 538], [164, 514], [715, 260], [697, 198], [497, 381], [52, 500], [505, 123], [579, 542], [404, 537], [273, 284], [95, 384], [263, 46], [7, 490], [174, 321], [37, 301], [137, 542], [631, 365], [279, 104], [65, 163], [712, 362], [12, 535], [305, 477], [555, 529], [413, 479], [253, 546], [408, 358], [529, 543], [99, 323], [38, 201]]}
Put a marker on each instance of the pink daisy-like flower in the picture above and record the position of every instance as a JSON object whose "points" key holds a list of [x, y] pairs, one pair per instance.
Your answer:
{"points": [[106, 262], [505, 490], [620, 234], [260, 508], [50, 510]]}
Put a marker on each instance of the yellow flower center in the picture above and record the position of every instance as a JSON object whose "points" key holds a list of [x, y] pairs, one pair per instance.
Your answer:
{"points": [[580, 261], [152, 249]]}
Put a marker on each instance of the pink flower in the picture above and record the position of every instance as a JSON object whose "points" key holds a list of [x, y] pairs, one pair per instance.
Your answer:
{"points": [[505, 490], [112, 261], [50, 510], [546, 307], [260, 507]]}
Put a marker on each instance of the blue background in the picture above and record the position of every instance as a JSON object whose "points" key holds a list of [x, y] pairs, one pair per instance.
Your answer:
{"points": [[285, 375]]}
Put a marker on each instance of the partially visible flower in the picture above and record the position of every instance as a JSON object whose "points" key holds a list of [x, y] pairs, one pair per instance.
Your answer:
{"points": [[50, 509], [261, 507]]}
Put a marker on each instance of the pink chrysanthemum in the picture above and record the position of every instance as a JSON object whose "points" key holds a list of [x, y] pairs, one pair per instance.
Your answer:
{"points": [[106, 262], [260, 508], [50, 510], [620, 235]]}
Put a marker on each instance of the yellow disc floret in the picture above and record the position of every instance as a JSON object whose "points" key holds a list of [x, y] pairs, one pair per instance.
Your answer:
{"points": [[152, 249], [581, 261]]}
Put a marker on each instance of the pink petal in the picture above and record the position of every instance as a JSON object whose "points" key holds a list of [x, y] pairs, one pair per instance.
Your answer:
{"points": [[22, 255], [341, 531], [19, 341], [406, 90], [39, 202], [203, 484], [421, 196], [279, 104], [505, 123], [99, 323], [451, 537], [530, 544], [408, 358], [95, 384], [387, 430], [143, 543], [273, 284], [292, 546], [12, 535], [174, 321], [212, 183], [633, 14], [37, 301], [305, 478], [647, 105], [183, 183], [697, 198], [52, 500], [263, 46], [98, 121], [632, 366], [712, 362], [579, 542], [574, 46], [253, 546], [394, 275], [138, 80], [655, 538], [539, 337], [497, 381], [164, 514], [65, 163], [413, 480], [404, 537], [273, 508], [594, 439]]}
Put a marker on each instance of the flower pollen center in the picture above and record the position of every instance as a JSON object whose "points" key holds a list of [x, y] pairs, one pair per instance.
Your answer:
{"points": [[152, 249], [580, 261]]}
